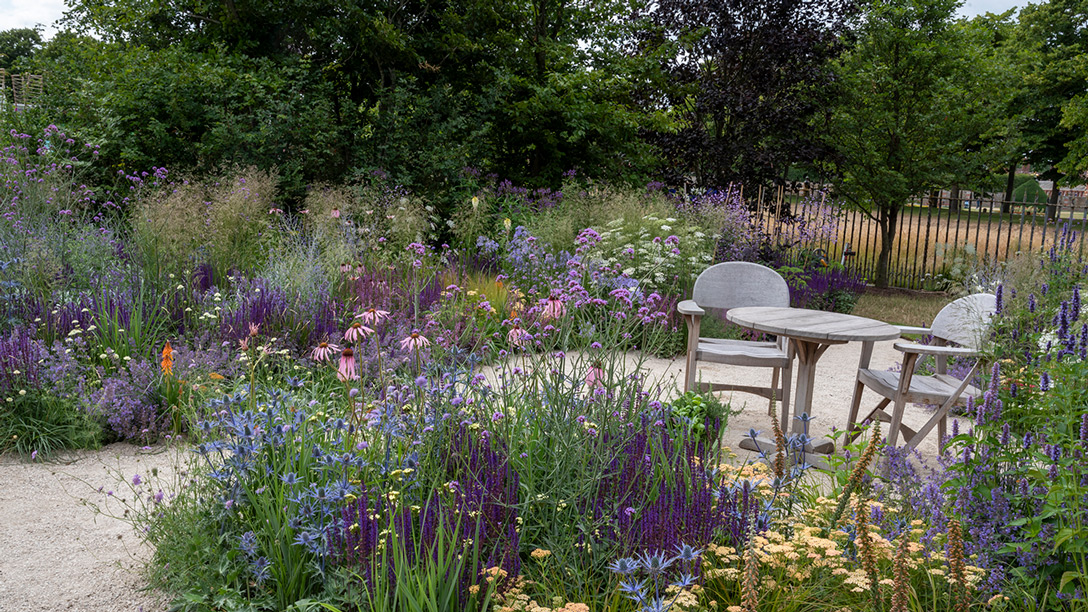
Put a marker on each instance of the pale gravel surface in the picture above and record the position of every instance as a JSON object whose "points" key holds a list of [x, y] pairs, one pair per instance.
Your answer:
{"points": [[57, 553]]}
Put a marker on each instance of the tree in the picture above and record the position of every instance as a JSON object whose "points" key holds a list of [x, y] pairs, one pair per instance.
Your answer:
{"points": [[18, 44], [421, 89], [1052, 46], [738, 83], [912, 96]]}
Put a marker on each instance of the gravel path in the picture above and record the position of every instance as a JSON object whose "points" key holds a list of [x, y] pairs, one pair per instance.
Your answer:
{"points": [[57, 553]]}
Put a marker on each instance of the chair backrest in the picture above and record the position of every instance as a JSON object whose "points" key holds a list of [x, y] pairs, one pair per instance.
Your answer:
{"points": [[966, 321], [736, 284]]}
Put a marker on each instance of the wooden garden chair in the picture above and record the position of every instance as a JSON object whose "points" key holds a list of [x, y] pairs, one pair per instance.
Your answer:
{"points": [[964, 323], [738, 284]]}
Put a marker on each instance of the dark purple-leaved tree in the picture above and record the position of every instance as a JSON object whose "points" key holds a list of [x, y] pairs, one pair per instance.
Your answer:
{"points": [[737, 84]]}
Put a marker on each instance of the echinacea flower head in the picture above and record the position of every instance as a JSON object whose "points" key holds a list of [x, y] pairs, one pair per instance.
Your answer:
{"points": [[323, 351], [414, 341], [167, 359], [595, 376], [554, 308], [517, 336], [254, 329], [346, 371], [357, 331], [373, 316], [335, 213]]}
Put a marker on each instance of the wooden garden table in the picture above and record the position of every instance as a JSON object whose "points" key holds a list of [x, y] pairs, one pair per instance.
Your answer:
{"points": [[811, 332]]}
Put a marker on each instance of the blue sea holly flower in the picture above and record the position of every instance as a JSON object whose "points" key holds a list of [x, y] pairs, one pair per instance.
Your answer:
{"points": [[684, 581], [304, 538], [247, 543], [260, 569], [290, 479], [686, 553], [635, 590], [655, 563], [656, 604], [624, 566]]}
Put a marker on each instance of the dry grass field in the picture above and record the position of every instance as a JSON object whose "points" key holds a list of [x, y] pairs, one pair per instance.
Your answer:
{"points": [[901, 306], [930, 240]]}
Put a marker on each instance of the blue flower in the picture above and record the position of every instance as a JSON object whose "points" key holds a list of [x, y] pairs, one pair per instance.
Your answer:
{"points": [[624, 566]]}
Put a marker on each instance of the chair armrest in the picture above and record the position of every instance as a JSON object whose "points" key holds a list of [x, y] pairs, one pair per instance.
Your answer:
{"points": [[910, 330], [929, 349], [689, 307]]}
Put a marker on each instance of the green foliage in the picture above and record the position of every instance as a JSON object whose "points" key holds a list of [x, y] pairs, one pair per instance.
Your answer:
{"points": [[905, 114], [39, 424], [17, 46], [694, 409]]}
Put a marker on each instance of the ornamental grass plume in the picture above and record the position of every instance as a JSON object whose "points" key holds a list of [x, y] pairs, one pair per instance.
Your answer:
{"points": [[863, 540], [957, 571], [167, 359], [750, 587], [855, 479], [901, 573], [780, 448]]}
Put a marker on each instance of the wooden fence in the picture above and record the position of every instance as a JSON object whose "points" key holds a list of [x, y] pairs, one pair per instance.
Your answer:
{"points": [[932, 234]]}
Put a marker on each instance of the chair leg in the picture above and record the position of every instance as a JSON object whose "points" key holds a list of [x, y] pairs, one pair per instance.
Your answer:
{"points": [[774, 392], [693, 349], [855, 406], [942, 427], [905, 375]]}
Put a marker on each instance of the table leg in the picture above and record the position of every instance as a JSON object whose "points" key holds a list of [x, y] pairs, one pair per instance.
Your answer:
{"points": [[808, 353]]}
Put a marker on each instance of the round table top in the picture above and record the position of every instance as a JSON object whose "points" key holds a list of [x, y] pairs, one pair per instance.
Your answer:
{"points": [[815, 325]]}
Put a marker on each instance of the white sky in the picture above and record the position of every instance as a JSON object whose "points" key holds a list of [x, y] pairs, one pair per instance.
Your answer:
{"points": [[27, 13]]}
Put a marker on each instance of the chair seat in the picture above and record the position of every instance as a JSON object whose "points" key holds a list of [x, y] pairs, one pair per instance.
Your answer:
{"points": [[742, 352], [923, 389]]}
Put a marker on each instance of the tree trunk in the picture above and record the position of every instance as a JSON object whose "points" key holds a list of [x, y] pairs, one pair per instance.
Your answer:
{"points": [[1052, 202], [934, 199], [1010, 184], [954, 199], [889, 216]]}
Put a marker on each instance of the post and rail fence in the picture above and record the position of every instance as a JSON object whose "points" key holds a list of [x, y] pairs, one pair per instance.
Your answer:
{"points": [[932, 232]]}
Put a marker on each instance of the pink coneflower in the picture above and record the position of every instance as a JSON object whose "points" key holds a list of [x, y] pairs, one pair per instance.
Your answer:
{"points": [[517, 336], [346, 371], [335, 214], [373, 316], [254, 329], [414, 341], [345, 268], [357, 331], [595, 376], [324, 351], [554, 308]]}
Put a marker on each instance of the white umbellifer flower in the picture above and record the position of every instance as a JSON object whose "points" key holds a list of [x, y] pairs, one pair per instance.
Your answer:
{"points": [[1048, 338]]}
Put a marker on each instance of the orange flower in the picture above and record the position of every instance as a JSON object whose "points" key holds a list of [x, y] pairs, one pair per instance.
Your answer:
{"points": [[167, 359]]}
